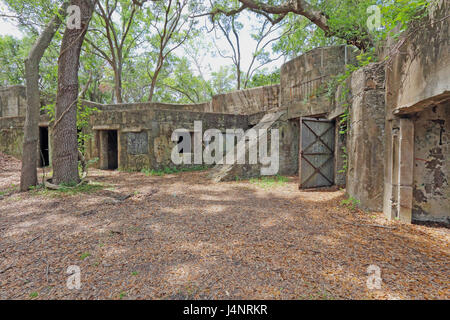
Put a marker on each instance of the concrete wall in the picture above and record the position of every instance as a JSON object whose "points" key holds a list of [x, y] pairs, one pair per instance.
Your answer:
{"points": [[247, 101], [202, 107], [303, 80], [288, 137], [12, 101], [157, 127], [243, 102], [365, 139], [11, 136], [418, 74], [417, 102], [431, 173]]}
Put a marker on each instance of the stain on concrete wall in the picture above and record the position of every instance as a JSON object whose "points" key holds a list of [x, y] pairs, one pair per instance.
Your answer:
{"points": [[12, 101], [431, 192], [11, 136]]}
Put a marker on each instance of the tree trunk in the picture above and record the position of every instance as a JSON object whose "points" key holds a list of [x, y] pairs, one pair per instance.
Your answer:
{"points": [[152, 89], [118, 86], [65, 153], [238, 75], [30, 153]]}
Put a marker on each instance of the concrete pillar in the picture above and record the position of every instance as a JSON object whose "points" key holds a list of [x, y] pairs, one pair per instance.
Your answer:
{"points": [[405, 170], [399, 170], [390, 170], [103, 152]]}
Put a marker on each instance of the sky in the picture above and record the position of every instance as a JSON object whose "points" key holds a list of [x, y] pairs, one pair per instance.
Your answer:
{"points": [[9, 27]]}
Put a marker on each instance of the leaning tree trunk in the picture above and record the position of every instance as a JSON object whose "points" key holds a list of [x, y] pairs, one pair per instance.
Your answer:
{"points": [[28, 175], [65, 144]]}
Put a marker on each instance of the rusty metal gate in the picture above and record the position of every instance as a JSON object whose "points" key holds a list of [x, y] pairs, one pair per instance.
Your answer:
{"points": [[317, 141]]}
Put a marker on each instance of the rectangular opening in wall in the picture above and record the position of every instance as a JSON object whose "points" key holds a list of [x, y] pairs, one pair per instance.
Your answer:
{"points": [[44, 156], [112, 153]]}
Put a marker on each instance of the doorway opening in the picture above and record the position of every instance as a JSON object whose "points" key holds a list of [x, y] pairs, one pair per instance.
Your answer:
{"points": [[44, 154], [112, 153]]}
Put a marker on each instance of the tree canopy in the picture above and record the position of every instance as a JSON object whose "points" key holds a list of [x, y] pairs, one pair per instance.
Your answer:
{"points": [[166, 51]]}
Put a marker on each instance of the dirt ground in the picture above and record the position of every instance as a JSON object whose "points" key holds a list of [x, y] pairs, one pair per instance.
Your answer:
{"points": [[180, 237]]}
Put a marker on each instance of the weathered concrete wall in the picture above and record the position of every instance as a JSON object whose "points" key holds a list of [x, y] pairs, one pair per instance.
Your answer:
{"points": [[419, 72], [365, 140], [431, 184], [12, 101], [288, 137], [247, 101], [11, 136], [202, 107], [243, 102], [154, 129], [303, 80], [417, 82]]}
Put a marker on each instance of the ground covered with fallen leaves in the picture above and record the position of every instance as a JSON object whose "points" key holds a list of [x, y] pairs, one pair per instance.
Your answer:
{"points": [[179, 236]]}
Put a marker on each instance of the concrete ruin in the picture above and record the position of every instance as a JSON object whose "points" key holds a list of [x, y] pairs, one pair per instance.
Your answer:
{"points": [[399, 124], [417, 144]]}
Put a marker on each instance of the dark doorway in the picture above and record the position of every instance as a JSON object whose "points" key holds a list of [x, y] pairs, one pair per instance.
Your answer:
{"points": [[44, 155], [113, 159]]}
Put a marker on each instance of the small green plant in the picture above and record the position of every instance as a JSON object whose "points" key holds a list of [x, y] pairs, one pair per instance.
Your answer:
{"points": [[269, 182], [34, 294], [10, 189], [344, 161], [84, 255], [122, 295], [351, 203], [167, 170], [134, 273], [325, 295], [67, 189]]}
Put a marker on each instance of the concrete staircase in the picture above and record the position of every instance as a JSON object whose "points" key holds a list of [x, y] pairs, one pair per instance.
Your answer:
{"points": [[226, 172]]}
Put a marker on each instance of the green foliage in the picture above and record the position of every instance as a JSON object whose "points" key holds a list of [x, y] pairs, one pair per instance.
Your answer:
{"points": [[122, 295], [270, 182], [399, 14], [167, 170], [85, 255], [84, 113], [11, 189], [264, 78], [305, 37], [11, 61], [67, 189], [182, 78], [350, 203], [345, 161], [347, 20]]}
